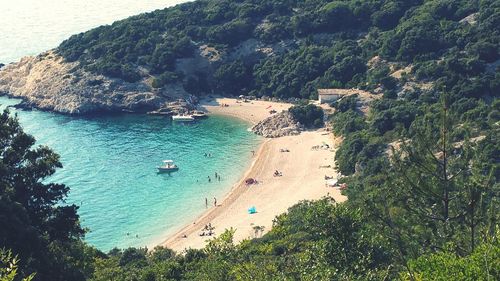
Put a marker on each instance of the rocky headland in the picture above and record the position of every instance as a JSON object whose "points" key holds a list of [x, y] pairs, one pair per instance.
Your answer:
{"points": [[49, 83], [278, 125]]}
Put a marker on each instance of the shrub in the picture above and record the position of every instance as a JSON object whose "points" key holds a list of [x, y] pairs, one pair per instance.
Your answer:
{"points": [[310, 116]]}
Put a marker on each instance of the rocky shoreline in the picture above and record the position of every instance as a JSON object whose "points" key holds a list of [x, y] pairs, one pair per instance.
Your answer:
{"points": [[47, 82]]}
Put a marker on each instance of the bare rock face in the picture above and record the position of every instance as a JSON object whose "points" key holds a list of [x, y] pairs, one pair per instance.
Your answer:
{"points": [[49, 83], [278, 125]]}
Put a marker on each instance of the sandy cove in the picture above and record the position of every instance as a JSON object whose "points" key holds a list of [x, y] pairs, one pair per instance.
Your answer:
{"points": [[252, 111], [303, 172]]}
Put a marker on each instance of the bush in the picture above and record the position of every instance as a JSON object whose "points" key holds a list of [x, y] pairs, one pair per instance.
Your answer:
{"points": [[347, 122], [166, 78], [482, 264], [310, 116], [346, 103]]}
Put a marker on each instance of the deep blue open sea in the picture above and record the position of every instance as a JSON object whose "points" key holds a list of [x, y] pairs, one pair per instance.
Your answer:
{"points": [[109, 161]]}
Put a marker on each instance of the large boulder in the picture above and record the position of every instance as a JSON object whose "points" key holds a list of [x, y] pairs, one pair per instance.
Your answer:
{"points": [[278, 125]]}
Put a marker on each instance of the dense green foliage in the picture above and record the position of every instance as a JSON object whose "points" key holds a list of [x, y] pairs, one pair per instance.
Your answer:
{"points": [[398, 223], [310, 116], [324, 44], [44, 234], [482, 264], [9, 267], [315, 241], [422, 164]]}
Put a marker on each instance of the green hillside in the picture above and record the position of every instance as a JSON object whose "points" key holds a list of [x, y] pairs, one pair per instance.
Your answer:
{"points": [[422, 164], [328, 43]]}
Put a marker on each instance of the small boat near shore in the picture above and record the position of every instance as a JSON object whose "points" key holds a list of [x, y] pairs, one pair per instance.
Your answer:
{"points": [[183, 118], [168, 166], [199, 115]]}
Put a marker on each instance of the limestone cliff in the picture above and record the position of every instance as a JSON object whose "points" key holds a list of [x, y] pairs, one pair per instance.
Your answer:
{"points": [[49, 83]]}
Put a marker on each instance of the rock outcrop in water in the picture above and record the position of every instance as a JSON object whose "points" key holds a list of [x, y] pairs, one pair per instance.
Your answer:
{"points": [[49, 83], [278, 125]]}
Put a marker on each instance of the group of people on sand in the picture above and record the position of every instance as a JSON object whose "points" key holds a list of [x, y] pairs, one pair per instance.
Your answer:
{"points": [[208, 230], [277, 173], [323, 146], [224, 105]]}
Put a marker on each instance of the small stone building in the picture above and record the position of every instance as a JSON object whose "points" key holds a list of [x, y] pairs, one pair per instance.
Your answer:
{"points": [[331, 95]]}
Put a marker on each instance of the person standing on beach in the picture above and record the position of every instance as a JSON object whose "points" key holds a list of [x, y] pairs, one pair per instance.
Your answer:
{"points": [[215, 202], [206, 202]]}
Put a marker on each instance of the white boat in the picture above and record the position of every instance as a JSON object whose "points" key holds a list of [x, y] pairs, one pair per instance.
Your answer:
{"points": [[168, 166], [199, 115], [183, 118]]}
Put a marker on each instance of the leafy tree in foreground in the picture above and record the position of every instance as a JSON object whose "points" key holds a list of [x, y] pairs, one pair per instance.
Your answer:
{"points": [[35, 225], [435, 193], [446, 185], [8, 267], [482, 264]]}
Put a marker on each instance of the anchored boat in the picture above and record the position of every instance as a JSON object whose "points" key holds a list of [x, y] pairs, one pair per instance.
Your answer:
{"points": [[183, 118], [168, 166], [199, 115]]}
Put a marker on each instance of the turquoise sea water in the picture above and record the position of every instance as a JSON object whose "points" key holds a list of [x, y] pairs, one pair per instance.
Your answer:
{"points": [[109, 163]]}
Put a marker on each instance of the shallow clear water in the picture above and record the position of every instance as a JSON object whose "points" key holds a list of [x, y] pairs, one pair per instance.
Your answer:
{"points": [[109, 164], [28, 27]]}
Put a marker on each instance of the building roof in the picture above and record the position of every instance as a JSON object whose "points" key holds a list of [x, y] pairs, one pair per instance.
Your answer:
{"points": [[336, 92]]}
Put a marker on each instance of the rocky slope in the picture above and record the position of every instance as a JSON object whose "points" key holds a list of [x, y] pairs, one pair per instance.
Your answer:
{"points": [[49, 83], [278, 125]]}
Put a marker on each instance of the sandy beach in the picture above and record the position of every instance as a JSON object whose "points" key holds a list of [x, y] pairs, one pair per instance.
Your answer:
{"points": [[252, 111], [303, 178]]}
